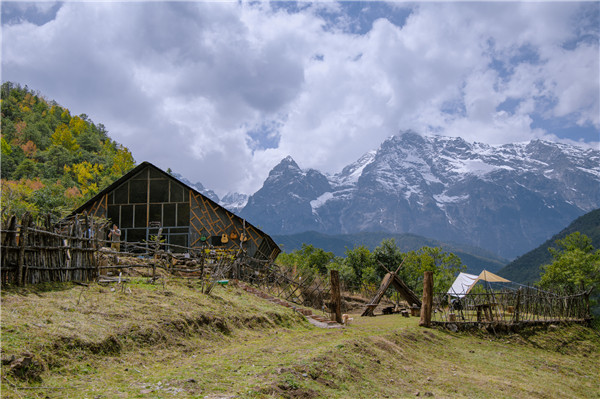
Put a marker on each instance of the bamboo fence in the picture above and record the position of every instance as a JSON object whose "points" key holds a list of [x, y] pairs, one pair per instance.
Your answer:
{"points": [[526, 305]]}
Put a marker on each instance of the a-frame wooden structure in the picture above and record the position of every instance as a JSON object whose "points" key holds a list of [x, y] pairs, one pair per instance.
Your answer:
{"points": [[391, 278]]}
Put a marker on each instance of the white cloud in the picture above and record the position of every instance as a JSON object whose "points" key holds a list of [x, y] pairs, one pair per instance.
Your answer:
{"points": [[182, 84]]}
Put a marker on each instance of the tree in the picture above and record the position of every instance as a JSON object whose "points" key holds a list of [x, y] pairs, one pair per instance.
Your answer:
{"points": [[308, 259], [362, 262], [388, 254], [15, 196], [444, 265], [86, 175], [575, 266], [62, 137]]}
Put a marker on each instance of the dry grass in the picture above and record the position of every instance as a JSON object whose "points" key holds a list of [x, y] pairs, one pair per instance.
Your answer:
{"points": [[172, 341]]}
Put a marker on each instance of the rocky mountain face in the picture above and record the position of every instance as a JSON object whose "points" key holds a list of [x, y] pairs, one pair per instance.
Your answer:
{"points": [[506, 198]]}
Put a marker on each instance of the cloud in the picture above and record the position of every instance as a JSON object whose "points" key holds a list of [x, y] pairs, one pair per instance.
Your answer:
{"points": [[221, 92]]}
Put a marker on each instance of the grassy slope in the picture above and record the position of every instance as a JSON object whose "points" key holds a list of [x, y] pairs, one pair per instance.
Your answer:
{"points": [[174, 342]]}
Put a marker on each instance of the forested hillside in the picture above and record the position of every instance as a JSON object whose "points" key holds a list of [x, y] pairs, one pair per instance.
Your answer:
{"points": [[53, 161], [526, 268]]}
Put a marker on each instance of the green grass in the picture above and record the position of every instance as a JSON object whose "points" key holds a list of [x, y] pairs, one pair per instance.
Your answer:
{"points": [[162, 342]]}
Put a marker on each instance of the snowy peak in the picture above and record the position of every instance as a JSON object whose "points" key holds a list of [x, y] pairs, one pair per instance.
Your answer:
{"points": [[198, 187], [505, 198], [234, 202]]}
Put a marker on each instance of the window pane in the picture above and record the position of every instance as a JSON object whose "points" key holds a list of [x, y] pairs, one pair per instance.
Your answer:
{"points": [[183, 214], [138, 191], [140, 215], [176, 192], [155, 213], [121, 194], [169, 214], [126, 216], [143, 175], [159, 190], [113, 214], [136, 235], [155, 174]]}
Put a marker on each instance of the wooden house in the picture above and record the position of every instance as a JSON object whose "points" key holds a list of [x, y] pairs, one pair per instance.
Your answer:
{"points": [[147, 198]]}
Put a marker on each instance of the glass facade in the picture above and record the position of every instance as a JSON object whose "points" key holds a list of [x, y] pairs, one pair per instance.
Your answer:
{"points": [[147, 200]]}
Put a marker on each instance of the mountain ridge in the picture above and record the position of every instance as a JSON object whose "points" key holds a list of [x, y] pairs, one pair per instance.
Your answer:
{"points": [[505, 198]]}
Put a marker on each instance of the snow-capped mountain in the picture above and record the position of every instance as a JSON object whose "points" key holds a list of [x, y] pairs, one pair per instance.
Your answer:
{"points": [[505, 198], [234, 202], [198, 187]]}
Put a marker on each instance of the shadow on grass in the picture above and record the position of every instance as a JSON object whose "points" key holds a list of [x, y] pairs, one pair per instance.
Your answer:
{"points": [[37, 289]]}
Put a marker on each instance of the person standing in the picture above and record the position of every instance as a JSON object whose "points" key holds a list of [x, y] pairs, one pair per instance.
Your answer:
{"points": [[115, 237]]}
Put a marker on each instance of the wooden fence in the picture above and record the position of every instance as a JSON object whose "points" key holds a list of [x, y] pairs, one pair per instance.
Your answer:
{"points": [[41, 252], [34, 253], [527, 305]]}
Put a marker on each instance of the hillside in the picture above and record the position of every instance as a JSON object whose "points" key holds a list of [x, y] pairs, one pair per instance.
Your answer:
{"points": [[53, 161], [526, 268], [171, 341], [476, 259]]}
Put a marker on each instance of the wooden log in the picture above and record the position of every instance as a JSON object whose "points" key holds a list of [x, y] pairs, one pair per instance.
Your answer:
{"points": [[22, 243], [427, 300], [336, 296]]}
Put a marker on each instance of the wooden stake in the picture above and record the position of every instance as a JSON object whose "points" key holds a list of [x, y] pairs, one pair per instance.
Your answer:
{"points": [[22, 243], [336, 297], [427, 300]]}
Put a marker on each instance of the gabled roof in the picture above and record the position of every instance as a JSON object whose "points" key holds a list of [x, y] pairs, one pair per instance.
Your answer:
{"points": [[137, 169]]}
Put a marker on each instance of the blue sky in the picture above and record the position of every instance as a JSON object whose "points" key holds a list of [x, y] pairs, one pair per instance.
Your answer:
{"points": [[222, 91]]}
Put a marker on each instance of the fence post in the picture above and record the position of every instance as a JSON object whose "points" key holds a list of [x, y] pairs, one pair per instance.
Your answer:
{"points": [[427, 300], [22, 242], [336, 298], [517, 305]]}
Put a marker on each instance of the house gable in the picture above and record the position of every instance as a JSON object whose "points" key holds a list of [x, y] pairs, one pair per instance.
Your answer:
{"points": [[147, 198]]}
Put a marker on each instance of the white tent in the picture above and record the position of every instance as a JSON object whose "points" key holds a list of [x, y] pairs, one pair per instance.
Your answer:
{"points": [[464, 282]]}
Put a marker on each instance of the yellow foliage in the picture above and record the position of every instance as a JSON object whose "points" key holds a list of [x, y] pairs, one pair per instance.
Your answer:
{"points": [[77, 126], [123, 161], [14, 196], [87, 175], [62, 137]]}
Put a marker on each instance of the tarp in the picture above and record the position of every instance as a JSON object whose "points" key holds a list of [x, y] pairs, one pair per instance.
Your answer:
{"points": [[464, 282], [462, 285], [492, 278]]}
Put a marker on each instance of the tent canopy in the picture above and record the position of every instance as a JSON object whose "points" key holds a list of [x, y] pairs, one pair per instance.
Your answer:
{"points": [[464, 282]]}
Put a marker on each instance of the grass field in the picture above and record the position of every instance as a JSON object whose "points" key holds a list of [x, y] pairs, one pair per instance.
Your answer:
{"points": [[171, 341]]}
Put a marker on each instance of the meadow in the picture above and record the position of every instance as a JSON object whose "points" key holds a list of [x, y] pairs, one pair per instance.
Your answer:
{"points": [[145, 340]]}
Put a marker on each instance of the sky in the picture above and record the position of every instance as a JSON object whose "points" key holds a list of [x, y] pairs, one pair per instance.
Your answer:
{"points": [[222, 91]]}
